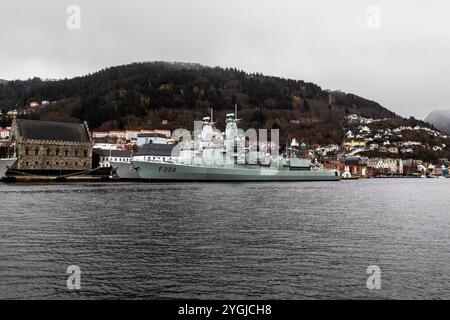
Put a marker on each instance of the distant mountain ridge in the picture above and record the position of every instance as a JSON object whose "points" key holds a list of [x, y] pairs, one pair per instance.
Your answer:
{"points": [[173, 95], [440, 119]]}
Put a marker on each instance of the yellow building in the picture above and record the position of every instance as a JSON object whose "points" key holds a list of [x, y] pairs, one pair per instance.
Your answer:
{"points": [[354, 144]]}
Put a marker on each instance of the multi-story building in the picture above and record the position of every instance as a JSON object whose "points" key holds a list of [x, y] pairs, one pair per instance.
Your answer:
{"points": [[51, 146], [155, 138]]}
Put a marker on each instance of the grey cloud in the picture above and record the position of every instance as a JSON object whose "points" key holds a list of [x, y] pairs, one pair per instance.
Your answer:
{"points": [[404, 66]]}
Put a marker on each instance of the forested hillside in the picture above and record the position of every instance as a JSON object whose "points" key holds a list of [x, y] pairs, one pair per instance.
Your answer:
{"points": [[173, 95]]}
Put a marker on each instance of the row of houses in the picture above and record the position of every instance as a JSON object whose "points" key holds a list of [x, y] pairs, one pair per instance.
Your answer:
{"points": [[364, 167], [386, 140], [120, 138], [373, 167]]}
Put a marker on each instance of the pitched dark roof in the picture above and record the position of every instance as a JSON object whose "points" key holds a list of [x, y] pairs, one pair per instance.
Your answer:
{"points": [[113, 153], [154, 149], [151, 135], [54, 131]]}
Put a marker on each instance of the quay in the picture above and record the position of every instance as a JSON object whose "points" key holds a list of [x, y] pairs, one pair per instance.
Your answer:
{"points": [[49, 179]]}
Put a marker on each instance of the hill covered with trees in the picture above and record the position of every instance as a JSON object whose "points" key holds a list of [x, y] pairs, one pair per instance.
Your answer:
{"points": [[173, 95]]}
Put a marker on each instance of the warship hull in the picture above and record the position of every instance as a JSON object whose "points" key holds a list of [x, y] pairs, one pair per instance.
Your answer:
{"points": [[161, 171], [5, 164], [124, 170]]}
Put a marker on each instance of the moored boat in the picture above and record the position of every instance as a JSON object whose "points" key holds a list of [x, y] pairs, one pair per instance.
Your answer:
{"points": [[124, 170], [228, 157], [5, 164], [164, 171]]}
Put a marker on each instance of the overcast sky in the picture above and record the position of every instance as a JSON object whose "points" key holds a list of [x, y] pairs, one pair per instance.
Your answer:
{"points": [[404, 64]]}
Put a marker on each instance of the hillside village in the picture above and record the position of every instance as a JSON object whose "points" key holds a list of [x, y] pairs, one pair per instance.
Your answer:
{"points": [[365, 137]]}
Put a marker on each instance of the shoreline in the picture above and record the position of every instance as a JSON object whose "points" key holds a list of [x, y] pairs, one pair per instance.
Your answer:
{"points": [[107, 179]]}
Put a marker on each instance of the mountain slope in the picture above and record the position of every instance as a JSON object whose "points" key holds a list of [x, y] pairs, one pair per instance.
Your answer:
{"points": [[173, 95], [440, 119]]}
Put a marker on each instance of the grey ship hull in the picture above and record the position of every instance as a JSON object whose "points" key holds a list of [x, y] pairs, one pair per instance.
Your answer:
{"points": [[4, 164], [124, 170], [162, 171]]}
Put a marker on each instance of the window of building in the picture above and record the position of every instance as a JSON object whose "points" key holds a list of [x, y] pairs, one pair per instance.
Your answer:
{"points": [[36, 151], [48, 151], [76, 153], [66, 152], [36, 163], [27, 151], [85, 153], [57, 151]]}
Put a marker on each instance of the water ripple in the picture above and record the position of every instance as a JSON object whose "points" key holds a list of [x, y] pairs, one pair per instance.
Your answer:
{"points": [[226, 241]]}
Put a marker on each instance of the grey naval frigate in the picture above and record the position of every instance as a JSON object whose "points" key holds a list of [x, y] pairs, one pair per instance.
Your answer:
{"points": [[227, 156]]}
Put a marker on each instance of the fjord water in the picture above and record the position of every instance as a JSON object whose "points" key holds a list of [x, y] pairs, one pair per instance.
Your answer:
{"points": [[226, 241]]}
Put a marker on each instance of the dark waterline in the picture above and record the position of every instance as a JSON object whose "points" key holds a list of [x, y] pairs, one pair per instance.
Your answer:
{"points": [[226, 241]]}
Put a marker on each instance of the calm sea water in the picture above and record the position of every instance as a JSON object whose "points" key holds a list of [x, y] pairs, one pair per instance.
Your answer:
{"points": [[226, 241]]}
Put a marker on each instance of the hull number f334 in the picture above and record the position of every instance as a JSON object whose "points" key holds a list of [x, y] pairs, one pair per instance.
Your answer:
{"points": [[167, 169]]}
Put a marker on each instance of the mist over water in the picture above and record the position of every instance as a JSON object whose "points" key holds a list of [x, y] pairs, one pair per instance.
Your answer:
{"points": [[227, 241]]}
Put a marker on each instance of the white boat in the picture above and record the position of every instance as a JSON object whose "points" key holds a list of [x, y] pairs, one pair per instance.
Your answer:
{"points": [[5, 163], [225, 157], [124, 170]]}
